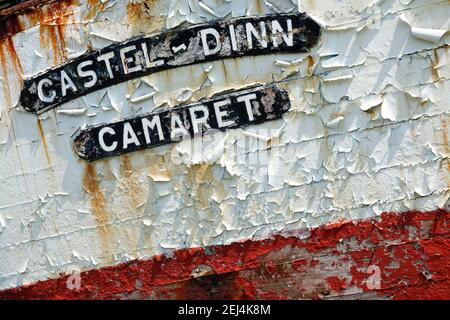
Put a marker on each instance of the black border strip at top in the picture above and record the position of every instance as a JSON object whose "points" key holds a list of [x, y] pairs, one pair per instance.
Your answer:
{"points": [[117, 63]]}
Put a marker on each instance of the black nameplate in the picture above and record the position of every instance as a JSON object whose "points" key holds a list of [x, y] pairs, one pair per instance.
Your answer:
{"points": [[121, 62], [224, 111]]}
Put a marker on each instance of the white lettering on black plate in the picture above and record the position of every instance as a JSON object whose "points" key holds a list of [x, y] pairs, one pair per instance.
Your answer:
{"points": [[136, 58], [225, 111]]}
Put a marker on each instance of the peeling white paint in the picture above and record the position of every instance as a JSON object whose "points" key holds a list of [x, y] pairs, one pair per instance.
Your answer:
{"points": [[367, 133]]}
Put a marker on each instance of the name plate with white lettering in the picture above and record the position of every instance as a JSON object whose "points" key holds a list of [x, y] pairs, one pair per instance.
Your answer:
{"points": [[121, 62], [225, 111]]}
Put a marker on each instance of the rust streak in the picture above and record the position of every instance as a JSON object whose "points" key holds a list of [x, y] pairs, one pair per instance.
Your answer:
{"points": [[53, 21], [131, 183], [91, 185], [21, 17], [33, 18], [48, 34], [108, 174], [5, 77], [141, 17], [11, 25], [93, 7], [199, 189], [158, 169], [60, 24], [310, 66], [9, 60], [446, 141]]}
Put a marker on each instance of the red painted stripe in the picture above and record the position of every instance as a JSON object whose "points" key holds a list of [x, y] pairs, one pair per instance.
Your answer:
{"points": [[411, 252]]}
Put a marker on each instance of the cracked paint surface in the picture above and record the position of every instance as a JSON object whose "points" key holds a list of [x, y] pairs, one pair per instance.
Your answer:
{"points": [[367, 133]]}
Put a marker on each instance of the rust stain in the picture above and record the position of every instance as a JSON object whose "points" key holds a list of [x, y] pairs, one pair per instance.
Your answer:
{"points": [[311, 4], [53, 21], [93, 8], [199, 190], [131, 184], [25, 6], [44, 142], [19, 19], [435, 66], [373, 112], [259, 6], [5, 75], [133, 11], [158, 169], [109, 175], [91, 185], [9, 62], [10, 25], [199, 180], [446, 141], [47, 33]]}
